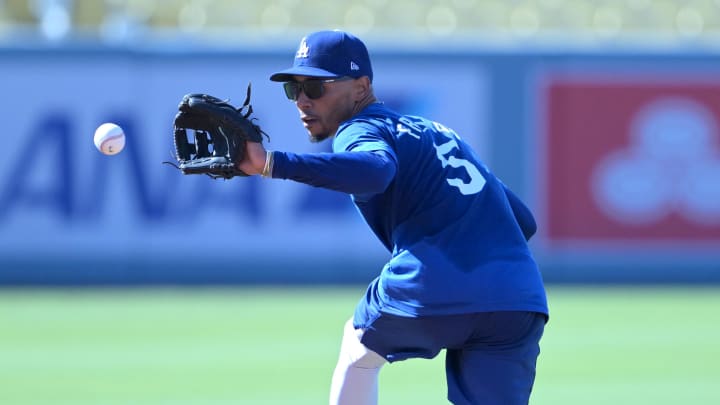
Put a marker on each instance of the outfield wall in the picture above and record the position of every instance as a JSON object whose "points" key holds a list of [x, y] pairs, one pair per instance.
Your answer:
{"points": [[618, 154]]}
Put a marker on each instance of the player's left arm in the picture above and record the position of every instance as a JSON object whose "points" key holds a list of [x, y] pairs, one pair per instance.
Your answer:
{"points": [[523, 215]]}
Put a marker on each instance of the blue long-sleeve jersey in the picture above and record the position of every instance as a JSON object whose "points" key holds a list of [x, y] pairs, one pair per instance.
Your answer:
{"points": [[457, 235]]}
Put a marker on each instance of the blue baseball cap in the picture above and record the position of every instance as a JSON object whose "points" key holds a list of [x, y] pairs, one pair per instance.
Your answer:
{"points": [[328, 54]]}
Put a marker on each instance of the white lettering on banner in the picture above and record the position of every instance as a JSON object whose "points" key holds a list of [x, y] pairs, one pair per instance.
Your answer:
{"points": [[73, 199], [59, 195], [52, 139]]}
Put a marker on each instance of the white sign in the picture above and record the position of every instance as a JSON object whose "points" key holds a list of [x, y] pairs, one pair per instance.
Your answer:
{"points": [[59, 196]]}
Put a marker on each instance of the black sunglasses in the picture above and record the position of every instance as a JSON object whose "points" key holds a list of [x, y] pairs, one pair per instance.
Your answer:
{"points": [[313, 88]]}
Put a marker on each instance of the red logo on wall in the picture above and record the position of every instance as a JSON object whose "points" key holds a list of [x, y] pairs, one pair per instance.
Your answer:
{"points": [[632, 160]]}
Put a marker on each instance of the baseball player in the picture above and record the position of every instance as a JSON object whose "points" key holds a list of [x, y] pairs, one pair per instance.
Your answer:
{"points": [[461, 276]]}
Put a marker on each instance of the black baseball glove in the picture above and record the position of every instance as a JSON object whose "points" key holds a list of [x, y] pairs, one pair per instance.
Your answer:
{"points": [[210, 135]]}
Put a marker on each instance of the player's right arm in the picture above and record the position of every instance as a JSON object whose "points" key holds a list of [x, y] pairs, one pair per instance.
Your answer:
{"points": [[356, 172], [362, 164], [254, 160], [361, 172]]}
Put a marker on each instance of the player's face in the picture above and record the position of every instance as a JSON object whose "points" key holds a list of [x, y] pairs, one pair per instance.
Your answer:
{"points": [[322, 104]]}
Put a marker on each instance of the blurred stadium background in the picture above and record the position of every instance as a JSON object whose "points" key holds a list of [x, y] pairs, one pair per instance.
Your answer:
{"points": [[655, 20], [125, 283]]}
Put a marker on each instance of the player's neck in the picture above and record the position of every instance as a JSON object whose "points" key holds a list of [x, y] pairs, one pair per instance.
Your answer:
{"points": [[361, 104]]}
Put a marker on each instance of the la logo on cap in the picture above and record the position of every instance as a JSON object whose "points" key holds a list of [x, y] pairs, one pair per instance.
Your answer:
{"points": [[303, 50]]}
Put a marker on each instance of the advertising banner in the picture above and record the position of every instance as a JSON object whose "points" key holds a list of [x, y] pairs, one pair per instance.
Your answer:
{"points": [[631, 161], [60, 199]]}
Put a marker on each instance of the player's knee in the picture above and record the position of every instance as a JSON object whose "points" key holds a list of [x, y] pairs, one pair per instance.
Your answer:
{"points": [[354, 353]]}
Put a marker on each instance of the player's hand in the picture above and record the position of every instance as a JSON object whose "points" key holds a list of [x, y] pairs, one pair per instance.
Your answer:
{"points": [[254, 160], [208, 120]]}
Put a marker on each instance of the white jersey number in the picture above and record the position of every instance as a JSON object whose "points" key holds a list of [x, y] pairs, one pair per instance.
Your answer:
{"points": [[445, 155], [444, 152]]}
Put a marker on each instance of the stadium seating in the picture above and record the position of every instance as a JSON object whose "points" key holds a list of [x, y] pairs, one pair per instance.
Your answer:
{"points": [[669, 19]]}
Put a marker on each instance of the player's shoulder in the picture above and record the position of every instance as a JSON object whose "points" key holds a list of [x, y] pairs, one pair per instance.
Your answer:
{"points": [[375, 119], [369, 130]]}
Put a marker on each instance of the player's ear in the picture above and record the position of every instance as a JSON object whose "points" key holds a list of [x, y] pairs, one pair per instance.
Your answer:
{"points": [[362, 88]]}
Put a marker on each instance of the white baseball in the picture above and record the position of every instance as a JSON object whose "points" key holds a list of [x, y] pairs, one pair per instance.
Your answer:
{"points": [[109, 138]]}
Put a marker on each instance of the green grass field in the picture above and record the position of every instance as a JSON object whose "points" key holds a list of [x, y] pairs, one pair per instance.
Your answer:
{"points": [[278, 346]]}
